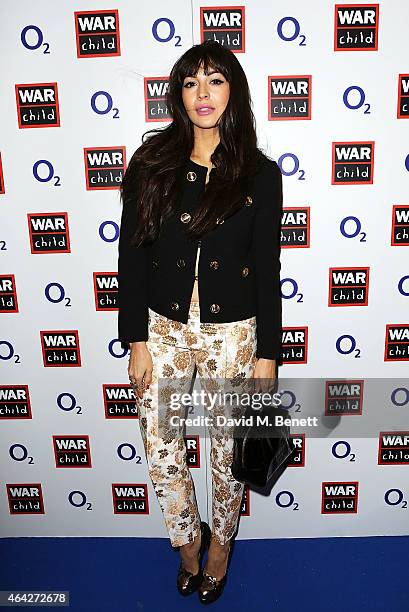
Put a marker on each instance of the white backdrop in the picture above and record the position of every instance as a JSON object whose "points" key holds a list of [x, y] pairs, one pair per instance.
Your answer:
{"points": [[61, 363]]}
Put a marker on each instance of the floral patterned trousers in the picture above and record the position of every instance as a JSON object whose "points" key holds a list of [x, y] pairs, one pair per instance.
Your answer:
{"points": [[219, 351]]}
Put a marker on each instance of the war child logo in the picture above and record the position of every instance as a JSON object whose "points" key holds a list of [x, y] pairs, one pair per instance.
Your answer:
{"points": [[104, 167], [192, 444], [295, 227], [344, 397], [294, 345], [353, 163], [356, 27], [298, 456], [403, 97], [130, 498], [119, 402], [400, 225], [2, 187], [97, 33], [106, 290], [72, 451], [155, 90], [339, 497], [15, 402], [224, 24], [37, 105], [245, 502], [49, 232], [289, 97], [348, 286], [61, 348], [25, 498], [393, 448], [397, 342], [8, 294]]}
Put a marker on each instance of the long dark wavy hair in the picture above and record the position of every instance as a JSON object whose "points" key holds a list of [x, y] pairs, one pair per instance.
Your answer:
{"points": [[154, 176]]}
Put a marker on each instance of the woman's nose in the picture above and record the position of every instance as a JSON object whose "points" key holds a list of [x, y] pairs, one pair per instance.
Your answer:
{"points": [[203, 93]]}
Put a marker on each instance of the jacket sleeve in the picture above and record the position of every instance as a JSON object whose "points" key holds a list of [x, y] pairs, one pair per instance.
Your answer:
{"points": [[266, 246], [132, 279]]}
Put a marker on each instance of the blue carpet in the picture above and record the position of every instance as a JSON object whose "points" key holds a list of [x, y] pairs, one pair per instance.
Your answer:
{"points": [[134, 574]]}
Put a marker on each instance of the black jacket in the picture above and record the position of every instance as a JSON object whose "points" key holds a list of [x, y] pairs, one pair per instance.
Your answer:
{"points": [[239, 264]]}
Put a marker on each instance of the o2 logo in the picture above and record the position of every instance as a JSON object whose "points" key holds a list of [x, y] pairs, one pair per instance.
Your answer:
{"points": [[342, 450], [396, 497], [163, 30], [78, 499], [400, 397], [354, 228], [351, 346], [292, 160], [32, 39], [286, 499], [292, 291], [19, 452], [354, 91], [127, 452], [59, 296], [103, 234], [289, 29], [102, 104], [48, 175]]}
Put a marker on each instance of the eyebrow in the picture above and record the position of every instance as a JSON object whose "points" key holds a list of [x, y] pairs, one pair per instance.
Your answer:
{"points": [[208, 74]]}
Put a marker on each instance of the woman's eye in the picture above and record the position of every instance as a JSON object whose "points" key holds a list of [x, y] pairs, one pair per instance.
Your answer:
{"points": [[212, 81]]}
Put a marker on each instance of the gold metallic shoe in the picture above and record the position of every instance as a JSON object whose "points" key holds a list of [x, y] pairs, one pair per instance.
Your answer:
{"points": [[210, 588], [187, 583]]}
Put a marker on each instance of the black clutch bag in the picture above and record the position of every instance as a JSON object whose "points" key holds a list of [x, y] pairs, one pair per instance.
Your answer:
{"points": [[262, 449]]}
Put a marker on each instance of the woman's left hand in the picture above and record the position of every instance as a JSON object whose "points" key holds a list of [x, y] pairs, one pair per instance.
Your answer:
{"points": [[264, 375]]}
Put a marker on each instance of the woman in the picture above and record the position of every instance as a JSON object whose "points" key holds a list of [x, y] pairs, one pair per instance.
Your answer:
{"points": [[199, 286]]}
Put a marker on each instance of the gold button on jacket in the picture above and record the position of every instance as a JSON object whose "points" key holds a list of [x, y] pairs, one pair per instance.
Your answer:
{"points": [[238, 268]]}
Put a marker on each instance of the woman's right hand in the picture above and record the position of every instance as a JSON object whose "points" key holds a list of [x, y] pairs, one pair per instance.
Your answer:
{"points": [[140, 367]]}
